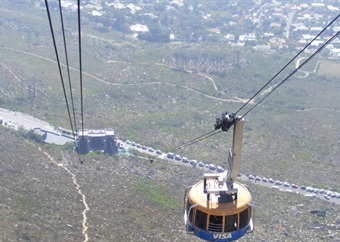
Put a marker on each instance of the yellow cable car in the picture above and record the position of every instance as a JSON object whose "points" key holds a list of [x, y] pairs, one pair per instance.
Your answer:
{"points": [[219, 208]]}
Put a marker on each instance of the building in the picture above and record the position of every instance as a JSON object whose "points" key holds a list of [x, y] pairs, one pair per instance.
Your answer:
{"points": [[96, 140], [53, 137]]}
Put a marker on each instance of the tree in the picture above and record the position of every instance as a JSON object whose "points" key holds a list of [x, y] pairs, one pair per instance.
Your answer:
{"points": [[119, 22], [31, 87], [33, 136], [155, 35]]}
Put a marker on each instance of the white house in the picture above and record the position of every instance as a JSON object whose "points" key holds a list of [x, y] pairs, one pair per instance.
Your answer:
{"points": [[139, 28], [335, 53]]}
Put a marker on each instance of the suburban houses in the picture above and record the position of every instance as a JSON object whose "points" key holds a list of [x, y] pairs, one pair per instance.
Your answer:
{"points": [[266, 25]]}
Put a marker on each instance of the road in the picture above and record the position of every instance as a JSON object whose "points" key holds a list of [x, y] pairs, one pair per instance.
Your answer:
{"points": [[289, 188], [17, 119], [289, 22], [297, 65], [236, 99], [306, 73], [151, 152], [28, 122]]}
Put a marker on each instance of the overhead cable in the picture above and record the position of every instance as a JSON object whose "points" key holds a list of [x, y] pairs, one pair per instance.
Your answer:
{"points": [[297, 69], [59, 66], [193, 141], [205, 136], [81, 78], [302, 50], [68, 66]]}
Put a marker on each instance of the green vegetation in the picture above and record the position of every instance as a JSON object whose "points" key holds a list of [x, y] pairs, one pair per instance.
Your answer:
{"points": [[139, 90], [27, 204], [151, 190], [128, 198], [33, 136], [136, 89]]}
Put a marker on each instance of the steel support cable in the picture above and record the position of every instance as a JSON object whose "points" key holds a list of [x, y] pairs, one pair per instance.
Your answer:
{"points": [[205, 136], [80, 69], [193, 141], [302, 50], [290, 75], [297, 69], [68, 67], [59, 66], [81, 79]]}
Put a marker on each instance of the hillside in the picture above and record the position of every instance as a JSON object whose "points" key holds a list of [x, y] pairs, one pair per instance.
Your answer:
{"points": [[127, 198], [160, 95], [133, 91]]}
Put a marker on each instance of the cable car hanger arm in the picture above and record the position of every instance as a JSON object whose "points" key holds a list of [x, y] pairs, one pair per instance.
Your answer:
{"points": [[234, 159]]}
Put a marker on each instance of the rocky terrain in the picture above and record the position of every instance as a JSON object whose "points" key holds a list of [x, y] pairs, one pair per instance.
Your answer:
{"points": [[133, 87], [128, 198]]}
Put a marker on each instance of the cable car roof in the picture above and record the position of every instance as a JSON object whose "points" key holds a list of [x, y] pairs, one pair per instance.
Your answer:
{"points": [[215, 206]]}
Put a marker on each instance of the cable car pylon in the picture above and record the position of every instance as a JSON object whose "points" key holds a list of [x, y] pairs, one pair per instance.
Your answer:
{"points": [[219, 208]]}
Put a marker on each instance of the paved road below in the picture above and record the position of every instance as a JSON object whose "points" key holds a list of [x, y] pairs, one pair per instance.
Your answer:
{"points": [[259, 181], [16, 119]]}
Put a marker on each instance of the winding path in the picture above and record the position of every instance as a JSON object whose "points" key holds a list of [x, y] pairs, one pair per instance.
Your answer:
{"points": [[305, 74], [208, 77], [17, 78], [130, 84], [79, 191], [313, 109]]}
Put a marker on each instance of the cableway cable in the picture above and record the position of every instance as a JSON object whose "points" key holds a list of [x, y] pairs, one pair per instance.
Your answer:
{"points": [[59, 66], [290, 75], [205, 136], [73, 126], [198, 139], [68, 66], [302, 50], [297, 69], [81, 77]]}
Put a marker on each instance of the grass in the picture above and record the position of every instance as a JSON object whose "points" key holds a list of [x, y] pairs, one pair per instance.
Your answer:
{"points": [[28, 205], [292, 136], [151, 190], [130, 198], [329, 68]]}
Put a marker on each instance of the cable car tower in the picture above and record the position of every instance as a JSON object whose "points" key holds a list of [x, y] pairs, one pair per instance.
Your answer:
{"points": [[218, 208]]}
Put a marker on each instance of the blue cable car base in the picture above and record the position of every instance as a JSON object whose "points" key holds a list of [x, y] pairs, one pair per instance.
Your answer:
{"points": [[219, 208], [219, 237]]}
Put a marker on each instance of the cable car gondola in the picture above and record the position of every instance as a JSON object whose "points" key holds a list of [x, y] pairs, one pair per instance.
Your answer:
{"points": [[218, 208]]}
